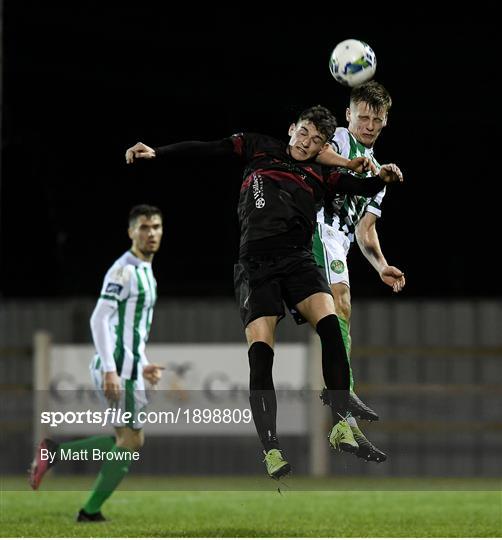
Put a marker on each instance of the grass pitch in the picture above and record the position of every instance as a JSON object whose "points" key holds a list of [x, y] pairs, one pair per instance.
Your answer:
{"points": [[253, 507]]}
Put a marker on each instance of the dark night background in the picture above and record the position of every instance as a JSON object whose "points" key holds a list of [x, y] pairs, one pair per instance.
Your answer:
{"points": [[81, 84]]}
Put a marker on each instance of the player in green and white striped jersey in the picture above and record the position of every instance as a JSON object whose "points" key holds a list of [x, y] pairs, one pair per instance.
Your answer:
{"points": [[347, 217], [123, 316], [120, 326]]}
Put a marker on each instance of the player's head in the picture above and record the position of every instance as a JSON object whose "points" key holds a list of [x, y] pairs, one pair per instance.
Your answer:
{"points": [[367, 113], [311, 132], [145, 230]]}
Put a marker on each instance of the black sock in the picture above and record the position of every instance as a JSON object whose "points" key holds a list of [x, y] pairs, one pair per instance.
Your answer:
{"points": [[262, 393], [335, 365]]}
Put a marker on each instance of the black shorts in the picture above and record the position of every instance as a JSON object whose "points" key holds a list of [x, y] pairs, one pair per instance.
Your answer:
{"points": [[263, 283]]}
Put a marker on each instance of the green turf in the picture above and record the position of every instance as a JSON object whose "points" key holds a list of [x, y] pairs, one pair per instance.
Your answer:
{"points": [[259, 511]]}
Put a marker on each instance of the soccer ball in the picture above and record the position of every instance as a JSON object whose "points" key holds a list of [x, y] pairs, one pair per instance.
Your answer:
{"points": [[352, 62]]}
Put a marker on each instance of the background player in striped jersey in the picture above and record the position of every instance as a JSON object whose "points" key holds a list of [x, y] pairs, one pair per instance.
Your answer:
{"points": [[347, 216], [120, 326]]}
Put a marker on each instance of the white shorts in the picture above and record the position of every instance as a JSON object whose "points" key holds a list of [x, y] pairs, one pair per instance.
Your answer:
{"points": [[132, 396], [331, 247]]}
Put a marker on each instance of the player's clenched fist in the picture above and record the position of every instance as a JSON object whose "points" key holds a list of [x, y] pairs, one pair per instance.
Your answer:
{"points": [[139, 151], [390, 173]]}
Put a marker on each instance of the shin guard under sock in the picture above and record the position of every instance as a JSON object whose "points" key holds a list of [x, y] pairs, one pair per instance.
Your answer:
{"points": [[262, 396], [335, 365]]}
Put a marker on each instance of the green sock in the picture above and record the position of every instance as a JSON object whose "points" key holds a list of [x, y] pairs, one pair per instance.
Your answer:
{"points": [[101, 443], [347, 341], [111, 474]]}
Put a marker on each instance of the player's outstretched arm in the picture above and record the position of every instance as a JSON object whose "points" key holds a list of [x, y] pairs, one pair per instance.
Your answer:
{"points": [[186, 150]]}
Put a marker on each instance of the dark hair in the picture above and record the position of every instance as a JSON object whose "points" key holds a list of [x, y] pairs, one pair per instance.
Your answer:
{"points": [[323, 119], [143, 210], [372, 93]]}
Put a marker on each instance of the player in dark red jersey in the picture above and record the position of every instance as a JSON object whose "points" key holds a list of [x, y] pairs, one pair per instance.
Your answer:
{"points": [[283, 186]]}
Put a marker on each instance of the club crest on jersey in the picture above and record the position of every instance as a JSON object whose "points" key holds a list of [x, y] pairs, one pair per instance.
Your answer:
{"points": [[114, 288], [337, 266], [118, 275]]}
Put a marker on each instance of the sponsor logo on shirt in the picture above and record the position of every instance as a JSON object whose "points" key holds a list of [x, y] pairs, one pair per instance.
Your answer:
{"points": [[259, 200]]}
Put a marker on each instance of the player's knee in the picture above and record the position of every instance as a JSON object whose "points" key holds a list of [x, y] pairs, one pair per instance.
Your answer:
{"points": [[259, 336], [137, 440], [343, 306], [261, 330], [132, 439]]}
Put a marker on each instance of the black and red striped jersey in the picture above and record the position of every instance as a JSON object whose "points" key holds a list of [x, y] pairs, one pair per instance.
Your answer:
{"points": [[279, 195]]}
